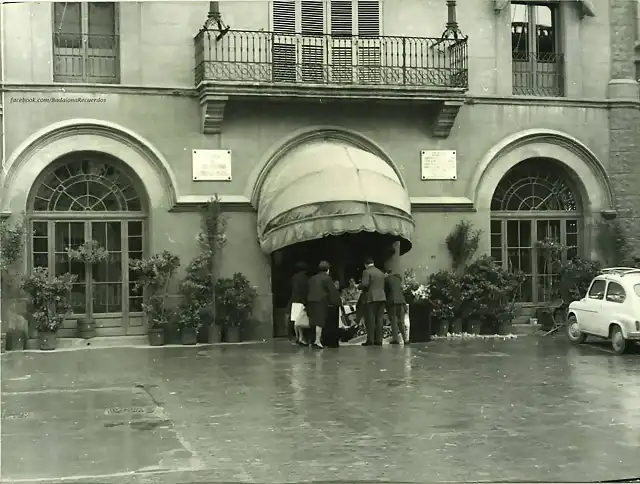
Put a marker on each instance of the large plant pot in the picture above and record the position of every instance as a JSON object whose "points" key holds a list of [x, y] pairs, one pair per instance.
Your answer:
{"points": [[86, 329], [214, 334], [172, 335], [16, 340], [443, 330], [232, 334], [188, 336], [47, 340], [156, 337], [419, 323], [456, 326], [4, 343], [475, 326]]}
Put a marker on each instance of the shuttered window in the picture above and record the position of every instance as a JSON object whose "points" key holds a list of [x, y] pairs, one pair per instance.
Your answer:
{"points": [[318, 35], [284, 47]]}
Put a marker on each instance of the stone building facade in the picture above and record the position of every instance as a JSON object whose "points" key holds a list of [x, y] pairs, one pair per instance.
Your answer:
{"points": [[540, 105]]}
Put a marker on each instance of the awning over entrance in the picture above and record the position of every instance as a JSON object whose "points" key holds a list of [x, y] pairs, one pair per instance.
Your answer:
{"points": [[330, 188]]}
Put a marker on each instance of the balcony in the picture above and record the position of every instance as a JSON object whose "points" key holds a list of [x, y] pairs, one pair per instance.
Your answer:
{"points": [[259, 64], [86, 58], [540, 74]]}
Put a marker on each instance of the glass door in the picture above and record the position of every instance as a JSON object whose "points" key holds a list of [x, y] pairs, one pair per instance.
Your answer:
{"points": [[520, 256], [106, 277], [68, 235]]}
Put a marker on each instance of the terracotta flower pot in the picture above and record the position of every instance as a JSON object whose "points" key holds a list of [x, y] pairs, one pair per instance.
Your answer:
{"points": [[47, 340], [156, 337], [15, 340], [188, 336], [215, 334], [86, 329], [232, 334]]}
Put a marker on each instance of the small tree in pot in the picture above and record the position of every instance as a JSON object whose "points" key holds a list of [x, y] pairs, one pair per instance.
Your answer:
{"points": [[91, 254], [154, 275], [235, 300], [14, 325], [195, 305], [49, 302]]}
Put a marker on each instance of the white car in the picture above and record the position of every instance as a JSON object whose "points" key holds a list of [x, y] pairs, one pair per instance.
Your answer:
{"points": [[610, 310]]}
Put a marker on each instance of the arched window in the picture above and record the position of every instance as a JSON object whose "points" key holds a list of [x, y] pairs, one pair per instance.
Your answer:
{"points": [[92, 196], [534, 201]]}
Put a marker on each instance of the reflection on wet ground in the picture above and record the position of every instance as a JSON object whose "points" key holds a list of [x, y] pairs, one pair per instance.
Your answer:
{"points": [[527, 409]]}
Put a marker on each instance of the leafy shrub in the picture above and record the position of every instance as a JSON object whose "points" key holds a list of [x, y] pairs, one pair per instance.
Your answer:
{"points": [[444, 294], [235, 299], [576, 276], [462, 244], [153, 275], [49, 298]]}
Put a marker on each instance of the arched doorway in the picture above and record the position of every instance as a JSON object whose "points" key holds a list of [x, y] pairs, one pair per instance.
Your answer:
{"points": [[92, 196], [533, 201]]}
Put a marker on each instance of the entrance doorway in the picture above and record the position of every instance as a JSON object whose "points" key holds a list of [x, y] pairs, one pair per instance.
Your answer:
{"points": [[534, 201], [89, 196], [346, 254]]}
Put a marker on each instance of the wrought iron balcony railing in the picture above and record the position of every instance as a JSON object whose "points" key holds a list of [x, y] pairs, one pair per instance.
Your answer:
{"points": [[539, 74], [265, 57], [86, 58]]}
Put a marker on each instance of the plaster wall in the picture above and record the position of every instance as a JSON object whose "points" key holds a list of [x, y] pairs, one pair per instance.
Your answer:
{"points": [[156, 40]]}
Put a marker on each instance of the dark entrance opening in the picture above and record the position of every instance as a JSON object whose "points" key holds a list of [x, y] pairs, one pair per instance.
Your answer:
{"points": [[346, 254]]}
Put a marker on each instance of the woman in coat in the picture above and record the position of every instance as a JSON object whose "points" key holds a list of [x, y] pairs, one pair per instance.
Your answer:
{"points": [[322, 294]]}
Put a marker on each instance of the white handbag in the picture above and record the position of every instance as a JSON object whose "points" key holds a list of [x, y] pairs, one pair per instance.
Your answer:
{"points": [[302, 321]]}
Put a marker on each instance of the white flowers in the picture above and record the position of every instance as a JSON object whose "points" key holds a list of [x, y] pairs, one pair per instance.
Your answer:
{"points": [[422, 292]]}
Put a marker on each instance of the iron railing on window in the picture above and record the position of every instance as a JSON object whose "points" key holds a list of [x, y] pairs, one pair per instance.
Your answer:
{"points": [[86, 58], [539, 74], [265, 57]]}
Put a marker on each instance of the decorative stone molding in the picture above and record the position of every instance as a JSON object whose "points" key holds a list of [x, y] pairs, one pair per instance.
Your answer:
{"points": [[445, 118], [213, 113]]}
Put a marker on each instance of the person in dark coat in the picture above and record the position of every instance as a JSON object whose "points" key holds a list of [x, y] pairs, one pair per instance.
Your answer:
{"points": [[299, 291], [395, 307], [372, 285], [331, 331], [322, 294]]}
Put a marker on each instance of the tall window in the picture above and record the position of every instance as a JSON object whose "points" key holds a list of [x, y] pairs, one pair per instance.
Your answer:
{"points": [[326, 41], [536, 58], [89, 196], [535, 202], [85, 42]]}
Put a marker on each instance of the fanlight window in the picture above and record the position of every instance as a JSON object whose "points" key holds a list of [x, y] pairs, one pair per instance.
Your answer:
{"points": [[534, 185], [87, 185]]}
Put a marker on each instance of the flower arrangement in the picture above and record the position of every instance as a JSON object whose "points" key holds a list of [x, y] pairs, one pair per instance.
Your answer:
{"points": [[49, 298], [91, 252], [422, 293]]}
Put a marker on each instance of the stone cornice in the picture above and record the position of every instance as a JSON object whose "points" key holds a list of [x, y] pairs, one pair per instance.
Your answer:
{"points": [[442, 204], [212, 113], [77, 88], [596, 103]]}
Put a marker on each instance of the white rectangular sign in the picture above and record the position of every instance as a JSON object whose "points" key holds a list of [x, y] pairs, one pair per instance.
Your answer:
{"points": [[211, 165], [438, 165]]}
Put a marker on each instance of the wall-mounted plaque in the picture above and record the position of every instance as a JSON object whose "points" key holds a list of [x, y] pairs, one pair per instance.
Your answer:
{"points": [[211, 165], [438, 165]]}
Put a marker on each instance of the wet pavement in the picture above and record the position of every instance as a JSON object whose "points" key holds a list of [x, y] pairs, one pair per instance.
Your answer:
{"points": [[525, 409]]}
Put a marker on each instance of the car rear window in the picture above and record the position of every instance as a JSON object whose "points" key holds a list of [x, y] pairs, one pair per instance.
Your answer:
{"points": [[636, 289]]}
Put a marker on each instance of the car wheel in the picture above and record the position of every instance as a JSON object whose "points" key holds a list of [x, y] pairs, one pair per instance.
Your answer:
{"points": [[573, 331], [618, 342]]}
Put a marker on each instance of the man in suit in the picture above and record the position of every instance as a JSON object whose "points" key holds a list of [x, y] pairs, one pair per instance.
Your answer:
{"points": [[372, 285], [395, 306]]}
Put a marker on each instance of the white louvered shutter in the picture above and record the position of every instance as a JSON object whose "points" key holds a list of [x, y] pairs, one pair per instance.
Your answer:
{"points": [[284, 41], [369, 48], [313, 41], [341, 41]]}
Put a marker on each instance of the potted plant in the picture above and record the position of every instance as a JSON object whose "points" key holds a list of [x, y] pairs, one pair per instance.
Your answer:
{"points": [[14, 325], [416, 295], [235, 299], [154, 275], [194, 306], [90, 253], [50, 303], [444, 298]]}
